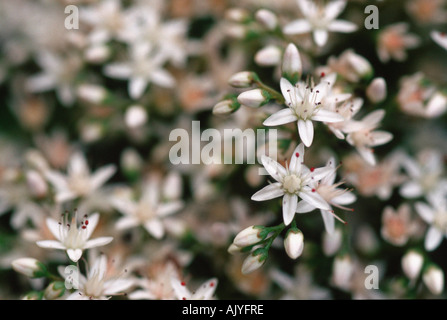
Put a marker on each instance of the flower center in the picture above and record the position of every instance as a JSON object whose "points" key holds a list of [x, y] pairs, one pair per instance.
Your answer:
{"points": [[291, 183]]}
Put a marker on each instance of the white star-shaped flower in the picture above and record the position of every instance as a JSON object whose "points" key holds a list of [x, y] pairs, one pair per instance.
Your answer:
{"points": [[79, 182], [293, 183], [204, 292], [306, 104], [72, 238], [319, 20]]}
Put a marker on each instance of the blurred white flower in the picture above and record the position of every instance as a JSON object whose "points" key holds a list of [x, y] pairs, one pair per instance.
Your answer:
{"points": [[204, 292], [394, 40]]}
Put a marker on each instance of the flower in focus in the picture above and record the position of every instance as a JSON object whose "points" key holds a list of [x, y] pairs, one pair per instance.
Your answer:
{"points": [[320, 20], [71, 238]]}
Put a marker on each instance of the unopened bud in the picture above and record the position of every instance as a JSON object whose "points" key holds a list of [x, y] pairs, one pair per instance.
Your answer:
{"points": [[243, 79], [268, 56], [412, 263], [135, 116], [226, 106], [97, 54], [237, 14], [254, 98], [332, 242], [232, 249], [267, 18], [359, 64], [54, 290], [342, 272], [131, 162], [294, 243], [253, 262], [248, 236], [376, 91], [291, 63], [433, 278], [92, 93], [29, 267]]}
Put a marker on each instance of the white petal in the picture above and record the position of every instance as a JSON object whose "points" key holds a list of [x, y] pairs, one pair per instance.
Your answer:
{"points": [[439, 38], [98, 242], [327, 116], [74, 254], [320, 37], [271, 191], [50, 244], [93, 220], [281, 117], [314, 199], [345, 198], [320, 173], [41, 82], [57, 180], [155, 228], [306, 131], [432, 239], [297, 27], [329, 222], [169, 208], [380, 137], [410, 190], [117, 286], [374, 118], [425, 212], [276, 170], [78, 165], [304, 207], [163, 78], [180, 290], [54, 227], [287, 89], [137, 86], [289, 204], [101, 176], [367, 155], [342, 26], [127, 223], [118, 70], [334, 8], [297, 159], [206, 290]]}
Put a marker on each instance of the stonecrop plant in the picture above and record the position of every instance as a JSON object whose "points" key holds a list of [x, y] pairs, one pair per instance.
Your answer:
{"points": [[202, 150]]}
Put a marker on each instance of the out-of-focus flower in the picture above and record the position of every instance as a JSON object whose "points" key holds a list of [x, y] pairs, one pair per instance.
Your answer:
{"points": [[418, 97], [349, 65], [98, 284], [204, 292], [435, 214], [433, 278], [412, 263], [294, 243], [394, 40], [427, 11], [320, 20], [149, 211], [376, 90], [29, 267], [71, 238], [293, 183], [397, 225], [79, 182]]}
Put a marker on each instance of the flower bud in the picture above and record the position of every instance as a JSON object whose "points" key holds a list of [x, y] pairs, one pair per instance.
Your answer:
{"points": [[236, 14], [248, 236], [359, 64], [92, 93], [135, 116], [291, 63], [433, 278], [268, 56], [412, 263], [226, 107], [253, 261], [376, 91], [332, 242], [254, 98], [54, 290], [232, 249], [342, 272], [267, 18], [294, 243], [29, 267], [243, 79]]}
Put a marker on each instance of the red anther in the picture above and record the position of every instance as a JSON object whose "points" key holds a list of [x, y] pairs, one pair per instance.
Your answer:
{"points": [[297, 154], [86, 222], [312, 169], [313, 190], [212, 284], [183, 298], [183, 283], [84, 227], [323, 74]]}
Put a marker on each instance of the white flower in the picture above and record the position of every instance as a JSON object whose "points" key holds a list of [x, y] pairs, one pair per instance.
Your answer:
{"points": [[99, 284], [425, 174], [435, 214], [306, 104], [320, 20], [79, 182], [204, 292], [149, 211], [412, 263], [440, 38], [366, 137], [292, 183], [72, 238], [145, 66]]}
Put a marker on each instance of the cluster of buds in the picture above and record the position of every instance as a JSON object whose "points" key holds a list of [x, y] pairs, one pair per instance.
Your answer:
{"points": [[257, 240]]}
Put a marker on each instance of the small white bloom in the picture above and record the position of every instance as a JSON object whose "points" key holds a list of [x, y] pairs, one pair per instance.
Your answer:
{"points": [[376, 90], [204, 292], [435, 214], [268, 56], [294, 243], [307, 103], [293, 183], [79, 182], [412, 263], [71, 238], [135, 116], [320, 20], [252, 98], [433, 278], [267, 18]]}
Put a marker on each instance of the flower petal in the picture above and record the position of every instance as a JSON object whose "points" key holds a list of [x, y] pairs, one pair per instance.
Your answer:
{"points": [[101, 176], [320, 37], [425, 212], [155, 228], [298, 26], [271, 191], [411, 190], [289, 204], [50, 244], [314, 199], [74, 254], [306, 131], [281, 117], [329, 221], [297, 159], [98, 242], [432, 239], [304, 207], [166, 209], [342, 26], [276, 170], [327, 116]]}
